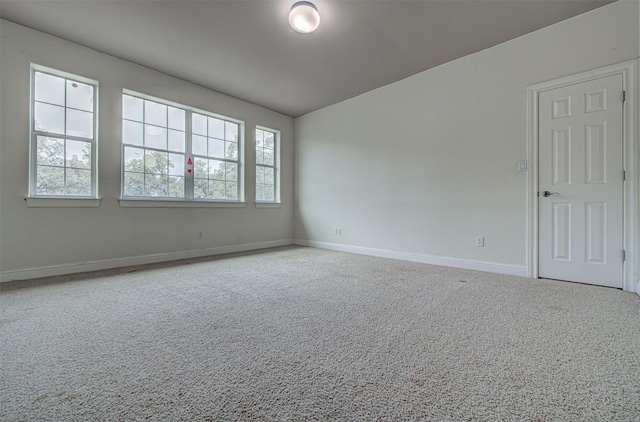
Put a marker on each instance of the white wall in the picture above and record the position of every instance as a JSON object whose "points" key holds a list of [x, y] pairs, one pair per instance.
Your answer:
{"points": [[423, 166], [44, 241]]}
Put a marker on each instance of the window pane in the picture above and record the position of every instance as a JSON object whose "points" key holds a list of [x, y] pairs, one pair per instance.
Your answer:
{"points": [[260, 156], [79, 123], [79, 96], [259, 138], [216, 189], [199, 145], [232, 191], [200, 188], [268, 157], [216, 128], [268, 140], [268, 176], [259, 192], [156, 162], [50, 180], [132, 108], [260, 175], [231, 150], [269, 193], [176, 118], [176, 164], [49, 89], [78, 182], [49, 118], [133, 184], [176, 187], [155, 137], [232, 172], [50, 151], [199, 124], [231, 131], [155, 113], [78, 155], [176, 140], [156, 185], [216, 169], [132, 132], [200, 168], [216, 148], [133, 159]]}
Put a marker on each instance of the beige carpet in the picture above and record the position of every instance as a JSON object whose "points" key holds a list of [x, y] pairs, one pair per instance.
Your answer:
{"points": [[307, 334]]}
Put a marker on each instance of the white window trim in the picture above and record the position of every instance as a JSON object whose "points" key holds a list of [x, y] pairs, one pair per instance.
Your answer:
{"points": [[188, 201], [276, 169], [264, 204], [35, 200], [178, 203], [69, 202]]}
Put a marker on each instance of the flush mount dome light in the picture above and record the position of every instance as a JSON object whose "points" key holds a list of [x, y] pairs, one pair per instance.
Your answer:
{"points": [[304, 17]]}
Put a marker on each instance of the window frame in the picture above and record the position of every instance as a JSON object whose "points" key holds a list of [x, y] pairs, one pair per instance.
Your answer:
{"points": [[33, 198], [189, 179], [275, 166]]}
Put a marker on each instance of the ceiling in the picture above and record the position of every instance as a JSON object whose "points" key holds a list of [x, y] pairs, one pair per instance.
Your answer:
{"points": [[246, 49]]}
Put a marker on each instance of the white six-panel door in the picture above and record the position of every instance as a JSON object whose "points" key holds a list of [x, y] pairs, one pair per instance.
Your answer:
{"points": [[580, 204]]}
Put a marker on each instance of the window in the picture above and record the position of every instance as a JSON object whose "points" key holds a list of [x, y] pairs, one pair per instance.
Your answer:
{"points": [[63, 135], [175, 152], [153, 135], [267, 160], [215, 151]]}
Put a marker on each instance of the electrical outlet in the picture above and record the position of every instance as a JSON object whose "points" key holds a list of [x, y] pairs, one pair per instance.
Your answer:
{"points": [[480, 242], [339, 231], [199, 235]]}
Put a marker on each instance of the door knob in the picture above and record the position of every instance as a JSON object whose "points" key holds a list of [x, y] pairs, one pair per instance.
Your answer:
{"points": [[547, 194]]}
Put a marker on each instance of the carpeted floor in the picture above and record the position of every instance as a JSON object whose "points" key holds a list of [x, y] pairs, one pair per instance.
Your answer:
{"points": [[307, 334]]}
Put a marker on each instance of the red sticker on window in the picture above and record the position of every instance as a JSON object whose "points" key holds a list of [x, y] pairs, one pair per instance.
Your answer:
{"points": [[189, 162]]}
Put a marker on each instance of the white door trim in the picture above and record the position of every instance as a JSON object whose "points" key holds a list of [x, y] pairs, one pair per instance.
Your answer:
{"points": [[631, 149]]}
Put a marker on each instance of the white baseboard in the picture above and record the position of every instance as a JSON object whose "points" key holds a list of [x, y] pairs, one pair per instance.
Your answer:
{"points": [[492, 267], [30, 273]]}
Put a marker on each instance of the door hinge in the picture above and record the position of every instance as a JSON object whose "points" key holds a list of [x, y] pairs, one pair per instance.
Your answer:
{"points": [[624, 255], [623, 175], [624, 96]]}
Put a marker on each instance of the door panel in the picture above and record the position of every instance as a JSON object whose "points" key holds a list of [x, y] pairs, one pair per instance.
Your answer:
{"points": [[580, 166], [561, 231]]}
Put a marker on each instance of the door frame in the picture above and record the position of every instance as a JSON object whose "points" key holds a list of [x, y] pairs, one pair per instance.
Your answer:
{"points": [[631, 161]]}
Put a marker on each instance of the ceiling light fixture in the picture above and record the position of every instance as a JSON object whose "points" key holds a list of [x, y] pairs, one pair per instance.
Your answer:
{"points": [[304, 17]]}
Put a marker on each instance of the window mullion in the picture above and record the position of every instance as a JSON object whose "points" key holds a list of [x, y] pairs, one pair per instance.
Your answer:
{"points": [[188, 177], [144, 148], [64, 162], [66, 137]]}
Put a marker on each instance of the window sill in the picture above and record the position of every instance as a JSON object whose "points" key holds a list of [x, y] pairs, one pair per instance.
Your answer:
{"points": [[268, 204], [152, 203], [63, 202]]}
